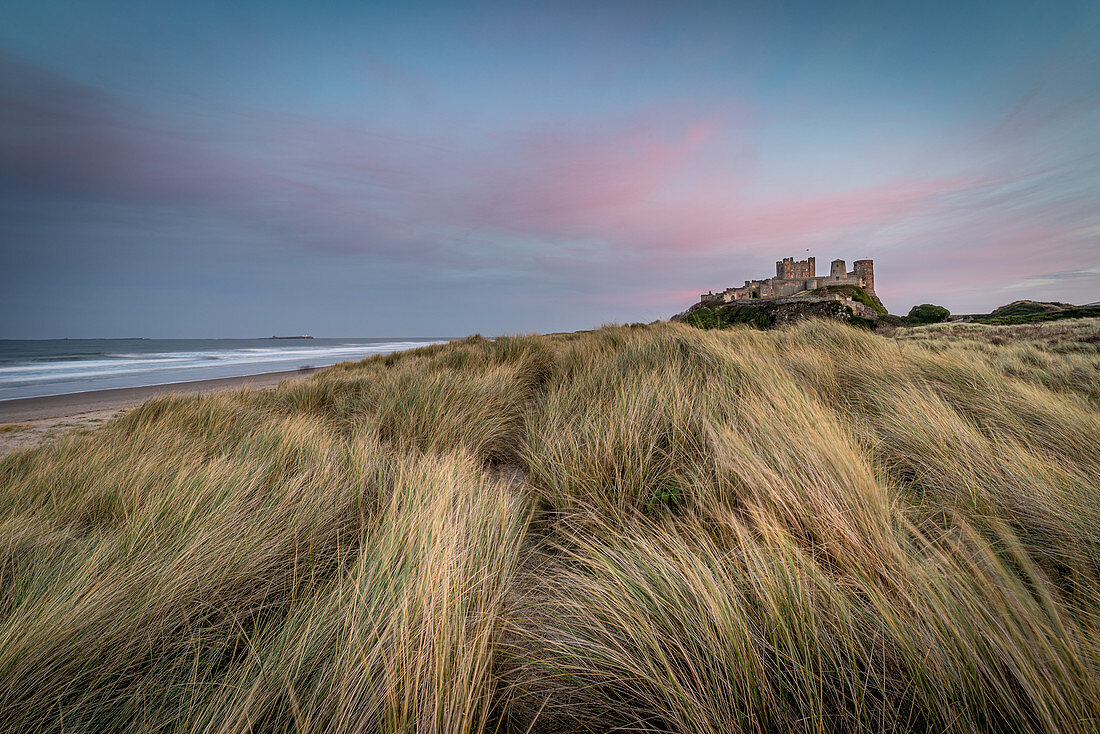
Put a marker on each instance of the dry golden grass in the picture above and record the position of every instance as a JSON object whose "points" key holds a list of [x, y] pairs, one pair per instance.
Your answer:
{"points": [[658, 528]]}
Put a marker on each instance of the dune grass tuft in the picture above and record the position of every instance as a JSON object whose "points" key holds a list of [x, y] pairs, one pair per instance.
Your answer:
{"points": [[656, 528]]}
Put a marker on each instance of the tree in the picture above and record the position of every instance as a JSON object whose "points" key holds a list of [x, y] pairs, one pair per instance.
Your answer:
{"points": [[928, 313]]}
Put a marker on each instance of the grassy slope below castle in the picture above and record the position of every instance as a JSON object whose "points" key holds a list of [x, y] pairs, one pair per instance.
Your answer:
{"points": [[855, 293], [770, 314], [813, 528]]}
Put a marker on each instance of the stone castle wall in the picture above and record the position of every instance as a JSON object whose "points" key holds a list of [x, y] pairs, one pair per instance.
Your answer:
{"points": [[788, 269], [794, 278], [865, 271]]}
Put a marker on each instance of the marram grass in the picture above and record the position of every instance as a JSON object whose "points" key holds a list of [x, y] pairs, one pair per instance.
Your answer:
{"points": [[816, 529]]}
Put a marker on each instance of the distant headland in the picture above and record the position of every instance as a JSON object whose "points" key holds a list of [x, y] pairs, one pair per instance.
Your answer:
{"points": [[300, 336]]}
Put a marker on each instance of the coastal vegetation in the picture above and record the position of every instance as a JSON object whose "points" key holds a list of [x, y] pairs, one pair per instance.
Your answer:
{"points": [[927, 313], [855, 293], [661, 528], [1030, 312], [1027, 308], [768, 314], [772, 314]]}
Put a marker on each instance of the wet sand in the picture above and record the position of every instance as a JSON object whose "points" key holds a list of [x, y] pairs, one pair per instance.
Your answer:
{"points": [[28, 422]]}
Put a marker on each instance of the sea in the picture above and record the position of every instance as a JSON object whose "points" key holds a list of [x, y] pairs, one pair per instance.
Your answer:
{"points": [[38, 367]]}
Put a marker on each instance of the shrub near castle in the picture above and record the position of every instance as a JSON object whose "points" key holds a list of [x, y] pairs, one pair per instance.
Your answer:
{"points": [[928, 313]]}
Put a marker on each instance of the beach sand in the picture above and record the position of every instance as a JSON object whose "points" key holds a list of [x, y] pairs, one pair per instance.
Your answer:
{"points": [[28, 422]]}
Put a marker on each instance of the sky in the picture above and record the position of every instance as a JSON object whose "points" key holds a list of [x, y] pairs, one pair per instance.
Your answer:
{"points": [[213, 169]]}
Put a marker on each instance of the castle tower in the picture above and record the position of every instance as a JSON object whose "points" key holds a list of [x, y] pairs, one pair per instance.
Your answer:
{"points": [[812, 268], [865, 270], [838, 269], [784, 268]]}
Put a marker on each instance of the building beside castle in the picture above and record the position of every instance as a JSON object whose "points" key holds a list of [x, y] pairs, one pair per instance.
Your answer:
{"points": [[797, 280]]}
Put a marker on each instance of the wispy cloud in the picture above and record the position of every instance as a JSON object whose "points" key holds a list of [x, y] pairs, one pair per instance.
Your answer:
{"points": [[619, 169]]}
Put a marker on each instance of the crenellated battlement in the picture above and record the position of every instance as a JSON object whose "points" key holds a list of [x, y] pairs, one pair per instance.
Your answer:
{"points": [[797, 278]]}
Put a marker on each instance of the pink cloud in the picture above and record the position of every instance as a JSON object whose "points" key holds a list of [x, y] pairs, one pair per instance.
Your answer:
{"points": [[556, 183], [702, 224], [645, 209]]}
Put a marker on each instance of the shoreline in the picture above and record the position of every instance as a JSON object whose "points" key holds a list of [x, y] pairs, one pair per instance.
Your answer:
{"points": [[59, 406], [29, 422]]}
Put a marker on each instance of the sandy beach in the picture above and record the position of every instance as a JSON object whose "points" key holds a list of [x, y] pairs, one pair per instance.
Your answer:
{"points": [[28, 422]]}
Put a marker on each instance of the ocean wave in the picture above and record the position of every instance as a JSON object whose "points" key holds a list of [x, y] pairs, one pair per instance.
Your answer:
{"points": [[56, 374]]}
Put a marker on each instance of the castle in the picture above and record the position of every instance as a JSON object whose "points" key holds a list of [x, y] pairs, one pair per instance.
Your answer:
{"points": [[797, 280]]}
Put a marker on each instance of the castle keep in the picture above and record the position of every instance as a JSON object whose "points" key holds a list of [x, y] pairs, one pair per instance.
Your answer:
{"points": [[797, 280]]}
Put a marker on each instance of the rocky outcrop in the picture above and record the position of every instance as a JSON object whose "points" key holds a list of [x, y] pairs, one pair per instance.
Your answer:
{"points": [[769, 314]]}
